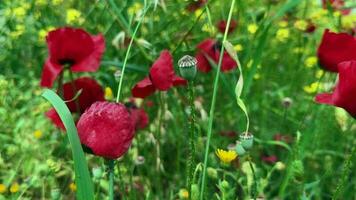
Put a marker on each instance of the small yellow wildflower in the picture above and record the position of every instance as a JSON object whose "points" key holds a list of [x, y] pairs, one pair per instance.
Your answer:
{"points": [[198, 12], [108, 93], [311, 61], [73, 16], [301, 25], [312, 88], [57, 2], [43, 33], [283, 24], [15, 187], [238, 47], [135, 8], [72, 187], [252, 28], [183, 194], [19, 30], [38, 134], [337, 14], [349, 21], [2, 188], [41, 2], [19, 12], [282, 34], [209, 29], [226, 156], [319, 73]]}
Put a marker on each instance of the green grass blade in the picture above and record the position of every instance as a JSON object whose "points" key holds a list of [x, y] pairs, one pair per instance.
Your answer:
{"points": [[82, 177]]}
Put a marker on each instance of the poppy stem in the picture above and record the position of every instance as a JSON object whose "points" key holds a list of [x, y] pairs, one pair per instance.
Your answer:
{"points": [[60, 85], [254, 189], [111, 165], [76, 100], [191, 122]]}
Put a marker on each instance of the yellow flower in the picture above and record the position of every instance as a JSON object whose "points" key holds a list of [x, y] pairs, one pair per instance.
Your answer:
{"points": [[226, 156], [282, 34], [73, 16], [349, 21], [73, 187], [319, 73], [198, 12], [312, 88], [183, 194], [238, 47], [41, 2], [43, 33], [311, 61], [283, 24], [38, 134], [301, 25], [15, 187], [19, 30], [108, 93], [19, 12], [252, 28], [57, 2], [209, 29], [135, 8], [2, 188], [337, 14]]}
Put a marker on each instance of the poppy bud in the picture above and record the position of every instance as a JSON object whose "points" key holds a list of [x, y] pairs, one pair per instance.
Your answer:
{"points": [[246, 140], [212, 173], [188, 67], [239, 148]]}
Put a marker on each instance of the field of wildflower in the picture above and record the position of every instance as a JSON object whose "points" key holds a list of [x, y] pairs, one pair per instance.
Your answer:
{"points": [[177, 99]]}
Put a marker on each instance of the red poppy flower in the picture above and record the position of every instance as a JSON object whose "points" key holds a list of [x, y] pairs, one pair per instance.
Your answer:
{"points": [[196, 4], [91, 92], [221, 25], [345, 90], [107, 129], [283, 138], [269, 159], [230, 134], [336, 5], [74, 48], [140, 118], [336, 48], [161, 77], [209, 48], [310, 28]]}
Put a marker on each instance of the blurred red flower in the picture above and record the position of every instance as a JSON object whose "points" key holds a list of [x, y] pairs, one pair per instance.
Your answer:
{"points": [[345, 90], [91, 92], [138, 115], [209, 48], [336, 5], [74, 48], [335, 48], [161, 77], [230, 134], [195, 5], [106, 129], [269, 159], [221, 25], [310, 28]]}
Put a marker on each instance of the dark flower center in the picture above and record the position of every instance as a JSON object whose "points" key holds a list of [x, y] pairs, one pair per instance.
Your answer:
{"points": [[217, 46], [66, 62]]}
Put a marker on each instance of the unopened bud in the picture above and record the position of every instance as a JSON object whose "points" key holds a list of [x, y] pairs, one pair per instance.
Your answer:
{"points": [[246, 140], [188, 67]]}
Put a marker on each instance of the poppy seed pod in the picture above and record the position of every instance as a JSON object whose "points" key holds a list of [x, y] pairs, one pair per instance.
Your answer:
{"points": [[246, 140], [239, 148], [188, 67]]}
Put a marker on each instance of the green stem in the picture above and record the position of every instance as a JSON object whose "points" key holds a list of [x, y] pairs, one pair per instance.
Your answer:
{"points": [[212, 108], [76, 100], [254, 189], [127, 55], [111, 165], [191, 121]]}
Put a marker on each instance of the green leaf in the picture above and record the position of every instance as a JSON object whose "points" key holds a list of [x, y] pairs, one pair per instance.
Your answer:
{"points": [[290, 4], [85, 189]]}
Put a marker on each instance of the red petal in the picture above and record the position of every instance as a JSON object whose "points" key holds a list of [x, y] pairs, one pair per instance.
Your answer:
{"points": [[221, 25], [162, 71], [140, 117], [177, 81], [143, 88], [91, 92], [76, 47], [54, 117], [227, 63], [50, 72], [107, 129], [345, 90], [203, 63], [335, 48]]}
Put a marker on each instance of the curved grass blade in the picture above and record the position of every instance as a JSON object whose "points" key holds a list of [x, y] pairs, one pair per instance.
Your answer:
{"points": [[85, 190]]}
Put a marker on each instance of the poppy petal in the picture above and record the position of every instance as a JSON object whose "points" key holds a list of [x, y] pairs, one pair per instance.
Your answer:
{"points": [[335, 48], [50, 72], [177, 81], [162, 72], [143, 88], [55, 119], [203, 63]]}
